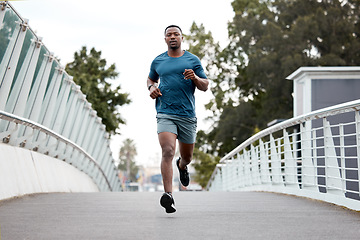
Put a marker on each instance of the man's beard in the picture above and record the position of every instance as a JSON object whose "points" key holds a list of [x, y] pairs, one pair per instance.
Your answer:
{"points": [[174, 47]]}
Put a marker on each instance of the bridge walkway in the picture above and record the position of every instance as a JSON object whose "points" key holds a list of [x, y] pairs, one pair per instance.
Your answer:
{"points": [[200, 215]]}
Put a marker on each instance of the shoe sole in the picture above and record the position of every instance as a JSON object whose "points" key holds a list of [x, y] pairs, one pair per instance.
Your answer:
{"points": [[166, 202]]}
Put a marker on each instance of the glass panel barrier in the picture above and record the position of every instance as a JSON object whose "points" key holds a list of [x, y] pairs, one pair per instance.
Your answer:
{"points": [[40, 66], [8, 35], [43, 103], [21, 69]]}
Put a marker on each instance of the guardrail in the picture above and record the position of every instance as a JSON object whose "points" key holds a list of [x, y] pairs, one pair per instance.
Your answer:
{"points": [[315, 155], [43, 110]]}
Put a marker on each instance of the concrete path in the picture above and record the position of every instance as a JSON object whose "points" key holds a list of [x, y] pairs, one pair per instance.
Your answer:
{"points": [[200, 215]]}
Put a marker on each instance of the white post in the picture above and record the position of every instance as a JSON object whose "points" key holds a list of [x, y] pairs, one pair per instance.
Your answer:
{"points": [[95, 147], [72, 114], [83, 126], [342, 156], [36, 97], [75, 126], [37, 93], [232, 172], [240, 167], [357, 123], [275, 162], [308, 178], [21, 85], [48, 109], [290, 163], [95, 138], [11, 68], [51, 97], [264, 163], [333, 179], [60, 115], [22, 90], [99, 154], [247, 170], [89, 134], [255, 165]]}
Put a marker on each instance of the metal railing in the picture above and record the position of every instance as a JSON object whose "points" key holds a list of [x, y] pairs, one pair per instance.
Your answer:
{"points": [[43, 110], [315, 155]]}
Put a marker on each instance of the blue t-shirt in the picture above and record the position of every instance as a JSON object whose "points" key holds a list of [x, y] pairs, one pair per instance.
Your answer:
{"points": [[177, 93]]}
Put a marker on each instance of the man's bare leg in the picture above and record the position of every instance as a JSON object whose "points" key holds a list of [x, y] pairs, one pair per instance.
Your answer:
{"points": [[167, 142], [186, 153]]}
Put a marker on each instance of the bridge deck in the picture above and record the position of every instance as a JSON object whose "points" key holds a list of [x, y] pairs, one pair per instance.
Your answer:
{"points": [[200, 215]]}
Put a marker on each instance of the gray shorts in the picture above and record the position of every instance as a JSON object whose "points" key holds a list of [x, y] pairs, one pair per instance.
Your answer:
{"points": [[184, 128]]}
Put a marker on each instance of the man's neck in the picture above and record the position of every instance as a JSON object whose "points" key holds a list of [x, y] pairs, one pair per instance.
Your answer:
{"points": [[175, 52]]}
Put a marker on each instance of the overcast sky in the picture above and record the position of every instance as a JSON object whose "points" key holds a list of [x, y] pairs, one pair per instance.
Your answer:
{"points": [[129, 34]]}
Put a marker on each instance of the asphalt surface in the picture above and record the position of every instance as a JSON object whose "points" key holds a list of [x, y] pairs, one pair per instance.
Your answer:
{"points": [[200, 215]]}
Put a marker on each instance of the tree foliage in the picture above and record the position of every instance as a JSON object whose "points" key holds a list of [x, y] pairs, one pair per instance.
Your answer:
{"points": [[268, 40], [127, 164], [204, 165], [92, 74]]}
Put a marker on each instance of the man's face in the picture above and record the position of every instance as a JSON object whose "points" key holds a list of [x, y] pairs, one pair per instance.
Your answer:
{"points": [[173, 38]]}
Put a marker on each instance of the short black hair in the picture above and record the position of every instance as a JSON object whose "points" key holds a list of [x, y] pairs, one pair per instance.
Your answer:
{"points": [[170, 26]]}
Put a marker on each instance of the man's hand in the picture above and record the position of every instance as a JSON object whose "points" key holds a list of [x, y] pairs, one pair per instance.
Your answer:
{"points": [[201, 83], [189, 74], [155, 92]]}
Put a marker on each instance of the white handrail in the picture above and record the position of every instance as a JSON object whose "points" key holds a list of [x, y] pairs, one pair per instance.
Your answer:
{"points": [[321, 113], [37, 94], [320, 159], [18, 120]]}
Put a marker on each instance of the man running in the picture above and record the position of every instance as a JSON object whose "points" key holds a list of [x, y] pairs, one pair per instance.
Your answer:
{"points": [[180, 72]]}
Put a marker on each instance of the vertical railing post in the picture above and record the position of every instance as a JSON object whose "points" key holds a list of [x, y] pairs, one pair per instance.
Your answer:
{"points": [[255, 165], [225, 176], [232, 181], [264, 163], [357, 126], [275, 162], [247, 169], [308, 174], [96, 147], [73, 113], [240, 167], [333, 179], [342, 156], [48, 109], [21, 86], [37, 95], [60, 115], [290, 163], [18, 101], [5, 83]]}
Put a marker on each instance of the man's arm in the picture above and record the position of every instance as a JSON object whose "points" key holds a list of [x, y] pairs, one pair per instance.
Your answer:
{"points": [[154, 91], [201, 83]]}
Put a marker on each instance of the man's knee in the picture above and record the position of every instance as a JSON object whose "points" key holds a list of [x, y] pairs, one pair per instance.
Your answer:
{"points": [[168, 152]]}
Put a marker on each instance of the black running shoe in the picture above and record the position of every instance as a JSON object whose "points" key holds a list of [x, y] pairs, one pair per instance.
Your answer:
{"points": [[167, 202], [184, 174]]}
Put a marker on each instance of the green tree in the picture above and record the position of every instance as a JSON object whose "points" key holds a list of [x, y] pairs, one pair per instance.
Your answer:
{"points": [[270, 39], [202, 44], [92, 74], [127, 164], [204, 165]]}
